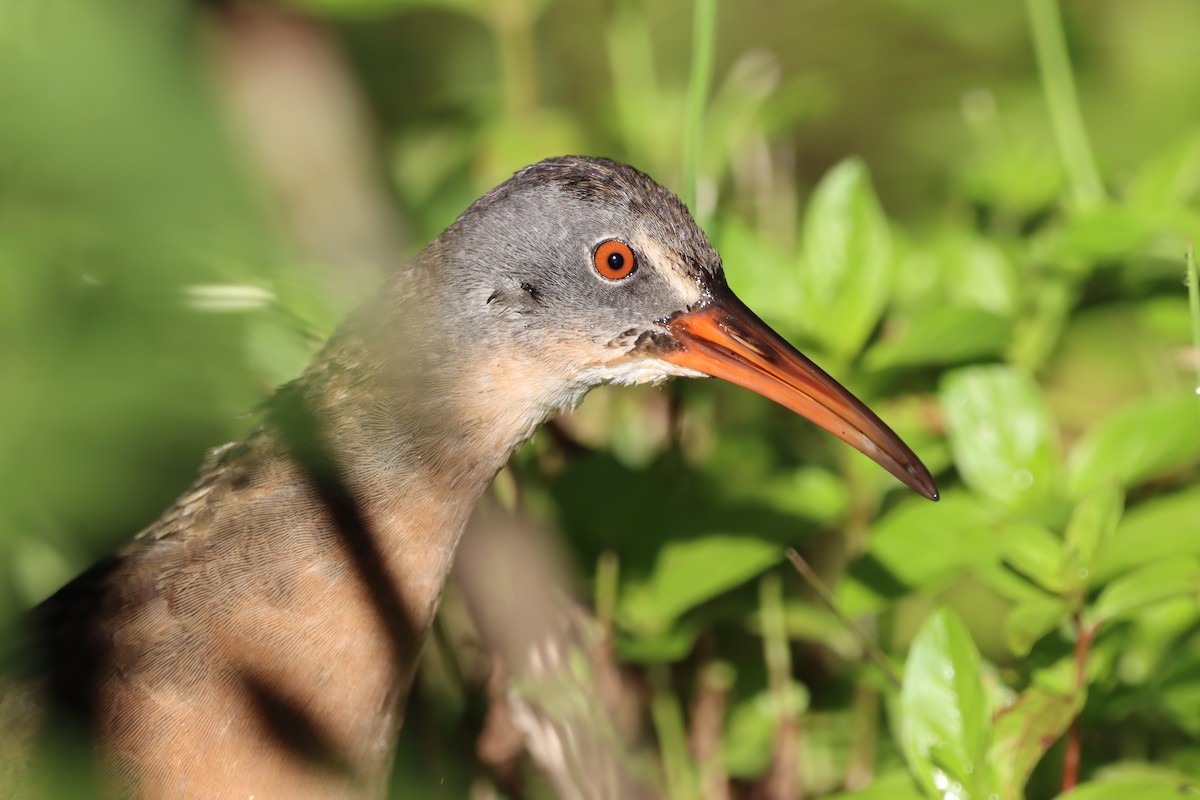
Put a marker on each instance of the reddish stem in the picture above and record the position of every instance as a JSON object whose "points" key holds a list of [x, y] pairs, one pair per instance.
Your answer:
{"points": [[1083, 645], [1071, 758]]}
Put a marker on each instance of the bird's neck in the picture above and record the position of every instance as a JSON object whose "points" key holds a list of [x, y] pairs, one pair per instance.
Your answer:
{"points": [[298, 577], [399, 429]]}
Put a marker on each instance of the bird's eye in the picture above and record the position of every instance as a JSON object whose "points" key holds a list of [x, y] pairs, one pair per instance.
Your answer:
{"points": [[614, 260]]}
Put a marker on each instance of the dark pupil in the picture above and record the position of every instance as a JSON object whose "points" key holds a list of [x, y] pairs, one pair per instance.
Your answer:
{"points": [[615, 261]]}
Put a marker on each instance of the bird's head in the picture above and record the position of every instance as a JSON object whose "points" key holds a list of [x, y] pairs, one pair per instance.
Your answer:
{"points": [[580, 271]]}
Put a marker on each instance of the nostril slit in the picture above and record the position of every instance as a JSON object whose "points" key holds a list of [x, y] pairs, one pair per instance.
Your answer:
{"points": [[746, 343]]}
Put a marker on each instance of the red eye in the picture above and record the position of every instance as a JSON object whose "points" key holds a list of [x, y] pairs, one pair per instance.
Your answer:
{"points": [[614, 260]]}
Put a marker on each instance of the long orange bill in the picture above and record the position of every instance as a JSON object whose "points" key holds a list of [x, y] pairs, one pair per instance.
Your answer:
{"points": [[726, 340]]}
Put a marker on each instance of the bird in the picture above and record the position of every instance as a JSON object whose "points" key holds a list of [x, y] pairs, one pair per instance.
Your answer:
{"points": [[260, 637]]}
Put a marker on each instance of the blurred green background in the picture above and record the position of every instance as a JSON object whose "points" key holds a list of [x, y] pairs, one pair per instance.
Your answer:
{"points": [[973, 214]]}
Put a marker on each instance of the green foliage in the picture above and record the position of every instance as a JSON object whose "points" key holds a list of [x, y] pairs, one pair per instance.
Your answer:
{"points": [[846, 261], [945, 715], [979, 232]]}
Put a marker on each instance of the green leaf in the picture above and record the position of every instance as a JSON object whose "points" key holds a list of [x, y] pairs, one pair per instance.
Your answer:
{"points": [[752, 728], [1169, 179], [371, 8], [1162, 528], [1149, 653], [977, 272], [847, 259], [1035, 552], [1151, 584], [946, 335], [1149, 782], [807, 622], [1178, 694], [1032, 619], [1108, 232], [1092, 525], [918, 545], [1002, 434], [655, 648], [1018, 176], [764, 275], [689, 572], [1024, 731], [1137, 444], [895, 785], [946, 718]]}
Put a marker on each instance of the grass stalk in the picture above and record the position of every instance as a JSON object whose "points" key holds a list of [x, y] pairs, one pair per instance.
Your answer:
{"points": [[672, 734], [704, 36], [782, 781], [512, 23], [1058, 86], [1193, 284], [873, 651]]}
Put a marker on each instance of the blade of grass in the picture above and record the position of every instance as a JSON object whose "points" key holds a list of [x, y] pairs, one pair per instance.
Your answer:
{"points": [[781, 781], [704, 36], [1193, 284], [869, 646], [672, 736], [1058, 85]]}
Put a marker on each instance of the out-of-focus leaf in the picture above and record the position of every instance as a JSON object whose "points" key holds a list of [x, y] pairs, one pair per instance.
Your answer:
{"points": [[1024, 731], [1162, 528], [1002, 434], [1032, 619], [1102, 233], [1000, 578], [847, 259], [811, 492], [917, 546], [1035, 552], [752, 728], [946, 335], [1178, 692], [813, 623], [1092, 524], [763, 275], [946, 718], [1151, 584], [1020, 177], [1171, 178], [371, 8], [689, 572], [1138, 782], [956, 268], [510, 141], [1138, 443], [1150, 643], [651, 648], [894, 785], [978, 273]]}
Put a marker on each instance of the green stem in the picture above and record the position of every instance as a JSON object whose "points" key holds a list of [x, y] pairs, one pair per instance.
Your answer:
{"points": [[864, 730], [635, 82], [775, 641], [1193, 284], [1058, 85], [704, 36], [672, 735], [607, 573], [869, 646], [512, 22], [784, 768]]}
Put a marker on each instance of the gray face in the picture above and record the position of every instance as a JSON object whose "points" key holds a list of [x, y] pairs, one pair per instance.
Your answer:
{"points": [[514, 289], [525, 260]]}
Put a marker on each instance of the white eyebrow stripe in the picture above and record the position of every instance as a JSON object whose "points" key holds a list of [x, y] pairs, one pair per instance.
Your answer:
{"points": [[669, 266]]}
